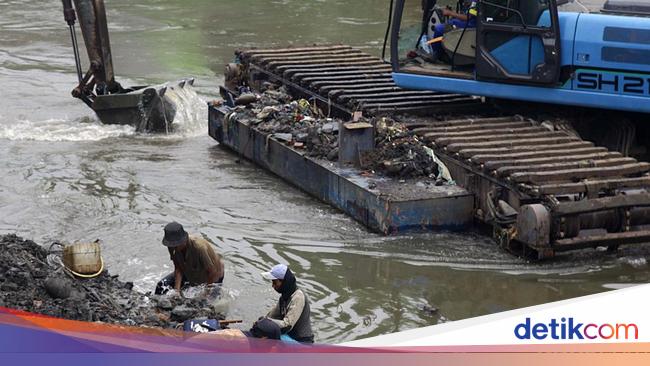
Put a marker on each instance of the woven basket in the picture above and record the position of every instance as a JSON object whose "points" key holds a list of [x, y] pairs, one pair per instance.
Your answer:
{"points": [[83, 258]]}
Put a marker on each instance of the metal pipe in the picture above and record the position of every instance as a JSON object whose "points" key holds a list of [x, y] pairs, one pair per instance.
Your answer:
{"points": [[70, 18], [390, 20], [613, 220], [75, 49]]}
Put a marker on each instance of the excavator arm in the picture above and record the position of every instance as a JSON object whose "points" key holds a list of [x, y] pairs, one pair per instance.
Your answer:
{"points": [[99, 79], [147, 108]]}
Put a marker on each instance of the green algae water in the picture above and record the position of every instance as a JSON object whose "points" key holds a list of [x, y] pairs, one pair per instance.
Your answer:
{"points": [[64, 176]]}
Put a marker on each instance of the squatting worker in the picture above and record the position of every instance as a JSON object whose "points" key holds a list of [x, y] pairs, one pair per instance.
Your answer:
{"points": [[291, 313], [195, 261]]}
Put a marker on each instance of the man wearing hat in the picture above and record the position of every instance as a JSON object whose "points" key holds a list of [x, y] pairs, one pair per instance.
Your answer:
{"points": [[292, 313], [195, 261]]}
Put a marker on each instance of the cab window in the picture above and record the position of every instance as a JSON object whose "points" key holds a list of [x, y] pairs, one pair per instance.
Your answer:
{"points": [[516, 12]]}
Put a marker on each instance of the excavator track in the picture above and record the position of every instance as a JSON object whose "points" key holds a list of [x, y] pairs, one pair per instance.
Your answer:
{"points": [[543, 190], [344, 80]]}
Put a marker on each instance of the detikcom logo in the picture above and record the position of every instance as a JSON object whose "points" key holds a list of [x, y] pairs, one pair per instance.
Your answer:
{"points": [[568, 328]]}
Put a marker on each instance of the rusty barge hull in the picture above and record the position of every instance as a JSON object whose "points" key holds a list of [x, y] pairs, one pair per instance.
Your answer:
{"points": [[543, 191]]}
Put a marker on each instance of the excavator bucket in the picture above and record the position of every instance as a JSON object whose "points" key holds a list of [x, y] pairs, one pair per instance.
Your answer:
{"points": [[147, 108]]}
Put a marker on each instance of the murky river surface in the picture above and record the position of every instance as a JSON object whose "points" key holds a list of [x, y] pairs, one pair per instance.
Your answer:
{"points": [[63, 176]]}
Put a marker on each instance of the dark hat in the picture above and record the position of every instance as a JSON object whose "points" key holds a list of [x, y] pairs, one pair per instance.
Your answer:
{"points": [[175, 235]]}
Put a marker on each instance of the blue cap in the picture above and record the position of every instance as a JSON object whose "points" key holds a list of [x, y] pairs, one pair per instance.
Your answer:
{"points": [[276, 273]]}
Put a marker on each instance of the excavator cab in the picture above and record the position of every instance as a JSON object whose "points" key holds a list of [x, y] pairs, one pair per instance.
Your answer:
{"points": [[511, 41], [527, 50], [147, 108]]}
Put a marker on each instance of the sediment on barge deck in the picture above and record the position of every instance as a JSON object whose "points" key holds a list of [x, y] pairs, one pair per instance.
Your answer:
{"points": [[381, 204], [543, 190]]}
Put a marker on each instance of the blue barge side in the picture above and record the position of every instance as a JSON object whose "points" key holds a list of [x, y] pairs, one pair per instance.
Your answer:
{"points": [[381, 204]]}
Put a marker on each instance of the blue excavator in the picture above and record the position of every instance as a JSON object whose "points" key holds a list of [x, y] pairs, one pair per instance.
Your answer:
{"points": [[528, 50]]}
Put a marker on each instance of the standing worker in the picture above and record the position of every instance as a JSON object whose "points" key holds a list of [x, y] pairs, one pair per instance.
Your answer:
{"points": [[291, 313], [195, 261]]}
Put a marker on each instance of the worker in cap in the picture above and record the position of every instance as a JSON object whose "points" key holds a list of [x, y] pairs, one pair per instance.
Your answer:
{"points": [[195, 260], [291, 313]]}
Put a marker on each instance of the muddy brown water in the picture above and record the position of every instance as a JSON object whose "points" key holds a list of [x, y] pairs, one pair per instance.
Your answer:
{"points": [[63, 176]]}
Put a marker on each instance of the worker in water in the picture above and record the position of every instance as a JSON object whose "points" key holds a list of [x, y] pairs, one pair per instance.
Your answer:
{"points": [[195, 261], [291, 313]]}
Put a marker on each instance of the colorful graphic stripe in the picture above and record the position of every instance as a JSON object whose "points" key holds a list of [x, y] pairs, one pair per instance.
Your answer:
{"points": [[35, 339]]}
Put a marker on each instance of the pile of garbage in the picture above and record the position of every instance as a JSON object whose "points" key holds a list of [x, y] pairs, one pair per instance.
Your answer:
{"points": [[405, 157], [399, 153], [303, 126], [29, 283], [295, 122]]}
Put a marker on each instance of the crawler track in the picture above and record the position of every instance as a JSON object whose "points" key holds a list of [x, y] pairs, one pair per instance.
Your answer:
{"points": [[345, 79], [543, 190], [569, 193]]}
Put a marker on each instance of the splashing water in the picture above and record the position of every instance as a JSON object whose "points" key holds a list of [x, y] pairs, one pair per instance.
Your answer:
{"points": [[55, 130], [189, 121], [217, 296], [191, 110]]}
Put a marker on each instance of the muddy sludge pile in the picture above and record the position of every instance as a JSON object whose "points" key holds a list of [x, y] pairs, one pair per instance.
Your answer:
{"points": [[303, 126], [29, 283]]}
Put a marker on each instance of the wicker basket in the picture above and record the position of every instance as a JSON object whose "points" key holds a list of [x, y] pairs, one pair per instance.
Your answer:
{"points": [[83, 258]]}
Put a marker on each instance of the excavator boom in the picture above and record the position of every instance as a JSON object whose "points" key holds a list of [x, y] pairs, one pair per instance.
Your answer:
{"points": [[144, 107], [94, 28]]}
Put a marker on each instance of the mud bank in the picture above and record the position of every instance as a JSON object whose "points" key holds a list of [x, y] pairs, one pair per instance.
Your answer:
{"points": [[29, 282]]}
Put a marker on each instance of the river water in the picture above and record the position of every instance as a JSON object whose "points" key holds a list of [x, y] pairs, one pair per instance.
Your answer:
{"points": [[64, 176]]}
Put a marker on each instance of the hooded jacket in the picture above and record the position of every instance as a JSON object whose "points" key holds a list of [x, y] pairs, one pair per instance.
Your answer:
{"points": [[292, 312]]}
